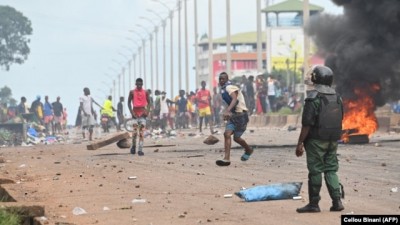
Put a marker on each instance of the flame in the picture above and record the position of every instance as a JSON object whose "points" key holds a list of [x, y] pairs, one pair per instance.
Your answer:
{"points": [[359, 113]]}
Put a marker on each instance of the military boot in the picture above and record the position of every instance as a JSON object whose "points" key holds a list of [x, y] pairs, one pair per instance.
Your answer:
{"points": [[336, 205], [309, 208], [313, 195]]}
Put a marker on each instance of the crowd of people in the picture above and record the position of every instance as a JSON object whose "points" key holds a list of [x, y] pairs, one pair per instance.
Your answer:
{"points": [[265, 95], [51, 115], [202, 108]]}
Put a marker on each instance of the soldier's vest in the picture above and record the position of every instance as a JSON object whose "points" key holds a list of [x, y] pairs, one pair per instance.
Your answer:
{"points": [[329, 119]]}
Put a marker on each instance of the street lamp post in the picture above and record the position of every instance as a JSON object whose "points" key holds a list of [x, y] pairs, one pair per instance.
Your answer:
{"points": [[151, 55], [196, 63], [156, 49], [144, 50], [134, 68], [120, 75], [113, 84], [210, 46], [179, 46], [163, 24], [186, 48], [171, 16], [123, 74], [136, 55], [259, 37], [130, 62], [228, 38]]}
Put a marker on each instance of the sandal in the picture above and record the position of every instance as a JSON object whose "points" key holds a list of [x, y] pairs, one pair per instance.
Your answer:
{"points": [[223, 162], [246, 155]]}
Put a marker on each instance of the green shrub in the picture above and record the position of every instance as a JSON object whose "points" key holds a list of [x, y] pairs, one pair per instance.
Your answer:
{"points": [[285, 111], [7, 218]]}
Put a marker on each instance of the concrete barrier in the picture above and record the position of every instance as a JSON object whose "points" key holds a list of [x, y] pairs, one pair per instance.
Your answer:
{"points": [[273, 120], [394, 120], [293, 120], [385, 123]]}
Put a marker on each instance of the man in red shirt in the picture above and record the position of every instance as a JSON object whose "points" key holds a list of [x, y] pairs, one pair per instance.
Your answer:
{"points": [[203, 97], [139, 99]]}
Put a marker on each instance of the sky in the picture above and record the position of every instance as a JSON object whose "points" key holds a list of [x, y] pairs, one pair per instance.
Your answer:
{"points": [[86, 43]]}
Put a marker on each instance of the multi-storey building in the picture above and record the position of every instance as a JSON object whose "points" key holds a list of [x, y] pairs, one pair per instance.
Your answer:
{"points": [[282, 45]]}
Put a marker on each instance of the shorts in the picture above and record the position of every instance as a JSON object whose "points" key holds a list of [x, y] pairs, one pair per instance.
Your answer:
{"points": [[205, 112], [48, 119], [88, 121], [237, 124], [58, 119], [141, 121]]}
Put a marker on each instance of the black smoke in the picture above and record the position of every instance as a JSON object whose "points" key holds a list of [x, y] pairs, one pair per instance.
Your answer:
{"points": [[362, 47]]}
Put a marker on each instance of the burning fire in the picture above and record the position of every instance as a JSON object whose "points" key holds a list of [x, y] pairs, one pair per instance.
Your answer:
{"points": [[359, 116]]}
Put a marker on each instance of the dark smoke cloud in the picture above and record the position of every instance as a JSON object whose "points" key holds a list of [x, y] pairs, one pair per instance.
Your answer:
{"points": [[362, 46]]}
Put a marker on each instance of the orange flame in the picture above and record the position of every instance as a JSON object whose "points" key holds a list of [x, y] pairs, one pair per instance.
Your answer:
{"points": [[359, 114]]}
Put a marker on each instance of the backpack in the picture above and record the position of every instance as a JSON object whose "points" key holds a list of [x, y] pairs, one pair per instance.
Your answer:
{"points": [[330, 117]]}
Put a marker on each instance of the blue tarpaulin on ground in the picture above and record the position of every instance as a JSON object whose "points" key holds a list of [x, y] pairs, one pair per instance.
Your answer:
{"points": [[270, 192]]}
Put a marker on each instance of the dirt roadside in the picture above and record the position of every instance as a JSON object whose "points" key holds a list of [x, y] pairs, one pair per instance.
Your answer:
{"points": [[181, 184]]}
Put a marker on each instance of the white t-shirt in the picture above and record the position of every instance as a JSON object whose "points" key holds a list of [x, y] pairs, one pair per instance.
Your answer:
{"points": [[87, 104], [271, 88], [163, 106]]}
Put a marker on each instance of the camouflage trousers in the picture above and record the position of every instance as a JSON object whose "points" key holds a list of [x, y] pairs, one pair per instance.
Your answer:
{"points": [[321, 158]]}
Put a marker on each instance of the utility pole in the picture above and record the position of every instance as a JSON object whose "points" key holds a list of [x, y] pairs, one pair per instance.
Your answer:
{"points": [[186, 48], [228, 38], [210, 47], [306, 18], [259, 37], [179, 46], [196, 61]]}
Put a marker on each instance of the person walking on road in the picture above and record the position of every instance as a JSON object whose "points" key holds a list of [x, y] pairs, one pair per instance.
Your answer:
{"points": [[236, 116], [87, 113], [321, 129], [138, 105]]}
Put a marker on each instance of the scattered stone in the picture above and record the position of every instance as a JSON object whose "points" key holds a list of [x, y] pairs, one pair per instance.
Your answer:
{"points": [[124, 143], [211, 140], [138, 200]]}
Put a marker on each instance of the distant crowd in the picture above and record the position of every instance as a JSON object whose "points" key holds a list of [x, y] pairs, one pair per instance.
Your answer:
{"points": [[186, 110], [190, 109], [53, 116]]}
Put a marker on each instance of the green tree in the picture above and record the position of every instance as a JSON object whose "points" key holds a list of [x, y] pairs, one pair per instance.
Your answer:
{"points": [[14, 29], [6, 96]]}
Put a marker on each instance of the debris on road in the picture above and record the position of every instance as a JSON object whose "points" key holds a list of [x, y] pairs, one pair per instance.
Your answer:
{"points": [[107, 141]]}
